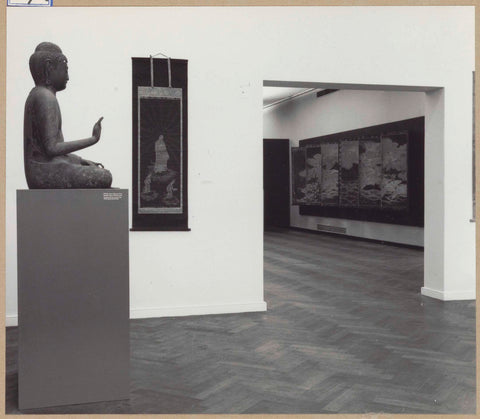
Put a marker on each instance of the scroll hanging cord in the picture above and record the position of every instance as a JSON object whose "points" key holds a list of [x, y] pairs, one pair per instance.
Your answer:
{"points": [[169, 69]]}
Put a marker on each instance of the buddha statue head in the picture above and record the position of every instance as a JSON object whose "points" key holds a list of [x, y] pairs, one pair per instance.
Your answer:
{"points": [[49, 67]]}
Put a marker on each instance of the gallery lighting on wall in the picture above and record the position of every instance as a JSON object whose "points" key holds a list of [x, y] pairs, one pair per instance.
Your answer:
{"points": [[326, 92], [302, 93]]}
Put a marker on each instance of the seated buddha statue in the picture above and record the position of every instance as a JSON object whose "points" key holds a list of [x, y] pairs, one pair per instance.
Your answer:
{"points": [[49, 162]]}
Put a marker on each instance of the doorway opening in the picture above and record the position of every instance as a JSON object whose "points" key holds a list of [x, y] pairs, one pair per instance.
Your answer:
{"points": [[300, 111]]}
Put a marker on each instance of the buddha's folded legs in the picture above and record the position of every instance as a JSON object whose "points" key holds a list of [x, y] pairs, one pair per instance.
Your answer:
{"points": [[62, 175]]}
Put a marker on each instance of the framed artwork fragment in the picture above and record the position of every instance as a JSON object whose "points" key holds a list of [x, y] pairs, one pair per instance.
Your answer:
{"points": [[371, 174], [159, 178]]}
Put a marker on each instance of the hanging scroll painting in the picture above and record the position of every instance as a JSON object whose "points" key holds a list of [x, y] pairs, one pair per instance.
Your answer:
{"points": [[160, 150], [159, 198]]}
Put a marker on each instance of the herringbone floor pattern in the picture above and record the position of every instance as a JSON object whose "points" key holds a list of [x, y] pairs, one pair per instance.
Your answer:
{"points": [[346, 331]]}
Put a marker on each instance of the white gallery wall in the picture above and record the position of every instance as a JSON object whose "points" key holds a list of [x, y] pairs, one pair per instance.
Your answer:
{"points": [[218, 266], [308, 116]]}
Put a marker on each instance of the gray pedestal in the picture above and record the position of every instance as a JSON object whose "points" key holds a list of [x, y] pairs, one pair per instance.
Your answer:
{"points": [[73, 296]]}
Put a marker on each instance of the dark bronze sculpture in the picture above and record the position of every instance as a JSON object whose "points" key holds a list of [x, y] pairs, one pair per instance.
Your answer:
{"points": [[49, 163]]}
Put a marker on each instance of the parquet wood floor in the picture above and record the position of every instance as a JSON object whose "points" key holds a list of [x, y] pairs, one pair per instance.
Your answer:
{"points": [[346, 331]]}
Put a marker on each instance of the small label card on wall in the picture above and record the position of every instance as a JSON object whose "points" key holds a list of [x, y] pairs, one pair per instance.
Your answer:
{"points": [[30, 3]]}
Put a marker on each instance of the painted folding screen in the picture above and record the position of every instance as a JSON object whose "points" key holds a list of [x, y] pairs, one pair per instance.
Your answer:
{"points": [[349, 175], [298, 176], [313, 174], [160, 145], [371, 174], [395, 171], [329, 191]]}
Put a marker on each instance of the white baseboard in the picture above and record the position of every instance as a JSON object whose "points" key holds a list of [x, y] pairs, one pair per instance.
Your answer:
{"points": [[449, 295], [176, 311], [11, 320]]}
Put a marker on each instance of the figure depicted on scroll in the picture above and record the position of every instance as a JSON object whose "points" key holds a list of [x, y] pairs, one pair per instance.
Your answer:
{"points": [[160, 151], [159, 183], [48, 158]]}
